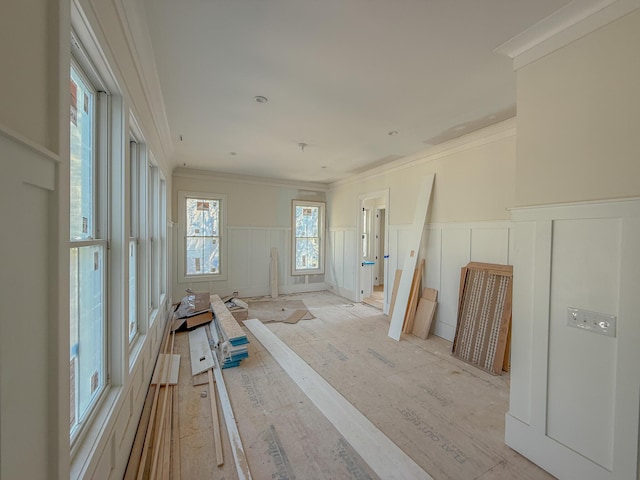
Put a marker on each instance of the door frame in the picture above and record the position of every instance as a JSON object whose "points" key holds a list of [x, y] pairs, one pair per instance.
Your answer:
{"points": [[383, 196]]}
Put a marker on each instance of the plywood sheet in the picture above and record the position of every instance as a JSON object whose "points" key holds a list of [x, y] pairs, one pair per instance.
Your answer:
{"points": [[198, 320], [424, 317]]}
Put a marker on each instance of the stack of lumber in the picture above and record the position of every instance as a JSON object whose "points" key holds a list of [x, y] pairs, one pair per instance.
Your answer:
{"points": [[484, 315], [228, 335], [155, 451]]}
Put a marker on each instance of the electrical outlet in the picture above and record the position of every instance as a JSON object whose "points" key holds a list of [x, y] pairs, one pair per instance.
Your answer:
{"points": [[595, 322]]}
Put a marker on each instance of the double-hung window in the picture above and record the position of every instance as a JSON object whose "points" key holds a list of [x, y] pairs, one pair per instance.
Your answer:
{"points": [[136, 156], [88, 244], [308, 237], [202, 239]]}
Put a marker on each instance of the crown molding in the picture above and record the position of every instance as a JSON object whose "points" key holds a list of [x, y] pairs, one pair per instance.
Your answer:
{"points": [[571, 22], [197, 174], [484, 136]]}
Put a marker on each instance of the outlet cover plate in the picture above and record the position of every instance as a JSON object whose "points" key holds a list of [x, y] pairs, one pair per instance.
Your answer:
{"points": [[595, 322]]}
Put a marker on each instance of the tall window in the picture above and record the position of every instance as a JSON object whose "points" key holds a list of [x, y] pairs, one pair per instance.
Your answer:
{"points": [[88, 248], [308, 237], [134, 228], [203, 235]]}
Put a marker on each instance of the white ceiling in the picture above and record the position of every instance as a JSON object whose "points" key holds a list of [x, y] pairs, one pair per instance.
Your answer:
{"points": [[339, 75]]}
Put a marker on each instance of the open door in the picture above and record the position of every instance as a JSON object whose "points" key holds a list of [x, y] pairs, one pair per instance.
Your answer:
{"points": [[372, 247]]}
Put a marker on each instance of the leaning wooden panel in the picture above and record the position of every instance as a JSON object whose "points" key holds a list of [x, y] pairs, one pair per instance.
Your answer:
{"points": [[484, 315]]}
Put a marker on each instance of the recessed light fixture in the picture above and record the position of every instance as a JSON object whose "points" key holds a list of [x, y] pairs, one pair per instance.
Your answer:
{"points": [[393, 132], [260, 99], [232, 153], [323, 166], [302, 146]]}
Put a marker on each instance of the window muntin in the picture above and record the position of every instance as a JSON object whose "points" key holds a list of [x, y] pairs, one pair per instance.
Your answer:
{"points": [[308, 225]]}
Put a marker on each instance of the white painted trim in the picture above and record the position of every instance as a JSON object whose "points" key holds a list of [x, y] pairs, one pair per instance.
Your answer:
{"points": [[569, 23], [419, 217], [589, 209], [34, 167], [197, 174], [23, 141], [384, 457], [484, 136]]}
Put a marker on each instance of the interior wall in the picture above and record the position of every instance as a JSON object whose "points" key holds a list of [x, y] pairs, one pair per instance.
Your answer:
{"points": [[574, 398], [258, 218], [578, 117], [34, 332], [472, 191]]}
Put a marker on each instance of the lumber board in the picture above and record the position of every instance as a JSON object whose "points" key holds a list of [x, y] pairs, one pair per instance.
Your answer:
{"points": [[273, 272], [239, 457], [175, 438], [394, 292], [199, 351], [296, 316], [430, 294], [228, 324], [419, 219], [386, 459], [424, 317], [216, 422], [163, 362], [414, 296], [138, 442]]}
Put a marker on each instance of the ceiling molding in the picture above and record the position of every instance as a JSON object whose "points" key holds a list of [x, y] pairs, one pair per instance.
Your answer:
{"points": [[484, 136], [197, 174], [139, 44], [573, 21]]}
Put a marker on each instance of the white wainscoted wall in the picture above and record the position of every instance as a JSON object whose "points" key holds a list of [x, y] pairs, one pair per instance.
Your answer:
{"points": [[258, 218], [575, 394]]}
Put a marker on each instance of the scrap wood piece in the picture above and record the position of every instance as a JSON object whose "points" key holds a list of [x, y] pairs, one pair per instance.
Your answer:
{"points": [[296, 316], [200, 319], [273, 272], [484, 315], [414, 295], [240, 459], [415, 238], [200, 351], [394, 292], [425, 312], [216, 422], [163, 362]]}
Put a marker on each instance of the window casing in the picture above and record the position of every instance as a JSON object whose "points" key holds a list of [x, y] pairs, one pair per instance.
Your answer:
{"points": [[307, 237], [202, 239], [136, 159], [89, 137]]}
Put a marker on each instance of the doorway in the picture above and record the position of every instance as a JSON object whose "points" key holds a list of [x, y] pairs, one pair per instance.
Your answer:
{"points": [[372, 247]]}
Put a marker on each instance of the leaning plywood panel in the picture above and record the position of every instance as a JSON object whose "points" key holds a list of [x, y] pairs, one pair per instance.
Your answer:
{"points": [[484, 315], [419, 218]]}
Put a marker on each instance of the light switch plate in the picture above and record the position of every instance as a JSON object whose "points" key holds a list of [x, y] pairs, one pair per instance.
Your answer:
{"points": [[595, 322]]}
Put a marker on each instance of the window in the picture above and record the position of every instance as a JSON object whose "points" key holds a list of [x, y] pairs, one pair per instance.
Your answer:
{"points": [[88, 246], [202, 236], [308, 235], [136, 151]]}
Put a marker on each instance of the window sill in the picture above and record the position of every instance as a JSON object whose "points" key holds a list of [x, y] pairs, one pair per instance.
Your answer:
{"points": [[96, 433]]}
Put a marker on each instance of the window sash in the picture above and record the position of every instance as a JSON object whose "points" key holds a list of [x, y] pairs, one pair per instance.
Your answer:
{"points": [[307, 237]]}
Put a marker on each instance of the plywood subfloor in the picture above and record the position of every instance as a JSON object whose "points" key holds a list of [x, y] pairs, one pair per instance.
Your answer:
{"points": [[446, 415]]}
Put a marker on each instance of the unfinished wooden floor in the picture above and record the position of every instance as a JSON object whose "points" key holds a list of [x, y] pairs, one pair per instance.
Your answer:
{"points": [[446, 415]]}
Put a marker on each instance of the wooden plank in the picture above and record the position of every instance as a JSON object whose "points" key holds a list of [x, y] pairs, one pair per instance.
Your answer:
{"points": [[430, 294], [199, 351], [414, 296], [175, 438], [419, 219], [273, 272], [166, 435], [228, 324], [375, 448], [136, 449], [296, 316], [216, 422], [163, 361], [239, 457], [424, 317], [394, 292]]}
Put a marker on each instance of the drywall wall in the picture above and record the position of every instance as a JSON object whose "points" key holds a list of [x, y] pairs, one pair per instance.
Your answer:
{"points": [[472, 191], [575, 394], [25, 40], [258, 218], [578, 117]]}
